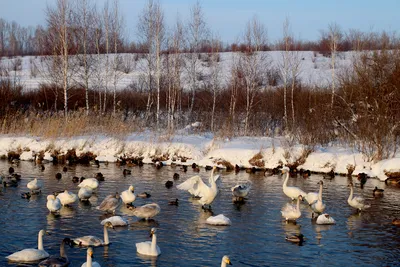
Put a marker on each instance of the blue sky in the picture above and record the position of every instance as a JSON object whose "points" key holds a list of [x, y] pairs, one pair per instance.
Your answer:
{"points": [[228, 17]]}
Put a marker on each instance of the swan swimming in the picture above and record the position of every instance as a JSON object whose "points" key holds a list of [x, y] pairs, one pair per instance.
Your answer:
{"points": [[291, 191], [356, 201], [220, 219], [149, 248], [128, 196], [58, 261], [197, 187], [67, 198], [89, 261], [31, 254], [290, 212], [313, 196], [53, 204], [225, 261], [318, 206], [147, 211], [110, 203], [94, 241]]}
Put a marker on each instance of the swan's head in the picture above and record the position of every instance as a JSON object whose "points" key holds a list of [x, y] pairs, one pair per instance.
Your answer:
{"points": [[321, 182], [326, 215], [82, 178], [43, 232], [116, 195], [152, 232], [285, 169], [51, 197], [109, 224], [131, 188], [350, 184], [90, 252], [300, 197], [226, 260]]}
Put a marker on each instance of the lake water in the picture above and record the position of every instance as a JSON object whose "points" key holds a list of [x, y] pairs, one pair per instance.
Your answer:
{"points": [[255, 238]]}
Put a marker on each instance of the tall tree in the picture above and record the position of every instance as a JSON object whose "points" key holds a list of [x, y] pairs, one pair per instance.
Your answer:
{"points": [[335, 36]]}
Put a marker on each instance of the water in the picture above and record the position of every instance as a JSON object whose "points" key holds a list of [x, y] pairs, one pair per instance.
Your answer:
{"points": [[255, 238]]}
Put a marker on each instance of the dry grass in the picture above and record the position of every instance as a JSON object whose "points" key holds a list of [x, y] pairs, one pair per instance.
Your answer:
{"points": [[257, 160], [55, 125]]}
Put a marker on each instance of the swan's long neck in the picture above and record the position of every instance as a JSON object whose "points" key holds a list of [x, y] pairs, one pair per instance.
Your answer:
{"points": [[106, 240], [286, 180], [320, 193], [88, 260], [154, 243], [40, 241], [223, 263], [298, 204], [351, 194]]}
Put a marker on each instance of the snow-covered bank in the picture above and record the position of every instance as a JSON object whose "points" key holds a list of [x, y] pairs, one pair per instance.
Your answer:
{"points": [[203, 150]]}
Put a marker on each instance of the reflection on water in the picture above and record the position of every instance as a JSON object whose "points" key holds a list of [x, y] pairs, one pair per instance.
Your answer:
{"points": [[255, 238]]}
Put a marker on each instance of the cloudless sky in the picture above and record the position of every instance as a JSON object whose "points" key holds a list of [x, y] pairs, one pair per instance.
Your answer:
{"points": [[229, 17]]}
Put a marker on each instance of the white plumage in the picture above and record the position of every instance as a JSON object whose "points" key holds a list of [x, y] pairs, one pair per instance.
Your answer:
{"points": [[147, 211], [197, 187], [290, 212], [53, 204], [115, 221], [128, 196], [149, 248], [291, 191], [90, 240], [31, 254], [89, 182], [89, 262], [318, 206], [220, 219], [356, 201], [67, 198], [35, 184], [85, 193], [325, 219]]}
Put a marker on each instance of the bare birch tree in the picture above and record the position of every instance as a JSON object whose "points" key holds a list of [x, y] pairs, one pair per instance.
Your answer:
{"points": [[196, 34], [335, 36], [215, 75], [59, 21], [285, 68]]}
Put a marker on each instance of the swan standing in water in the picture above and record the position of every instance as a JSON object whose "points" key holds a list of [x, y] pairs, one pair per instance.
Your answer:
{"points": [[35, 185], [115, 221], [325, 219], [67, 198], [197, 187], [220, 219], [58, 261], [318, 206], [356, 201], [147, 211], [313, 196], [291, 191], [85, 193], [290, 212], [225, 261], [31, 254], [94, 241], [92, 183], [149, 248], [240, 191], [53, 204], [128, 196], [110, 203], [89, 259]]}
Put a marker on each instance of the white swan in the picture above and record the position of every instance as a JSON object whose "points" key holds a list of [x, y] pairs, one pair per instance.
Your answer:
{"points": [[58, 261], [85, 193], [240, 191], [110, 203], [197, 187], [325, 219], [115, 221], [89, 262], [35, 185], [220, 219], [31, 254], [225, 261], [290, 212], [90, 240], [92, 183], [149, 248], [318, 206], [313, 196], [53, 204], [128, 196], [67, 198], [147, 211], [291, 191], [356, 201]]}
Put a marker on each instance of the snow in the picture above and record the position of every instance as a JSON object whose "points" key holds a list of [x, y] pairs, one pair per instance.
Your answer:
{"points": [[203, 150]]}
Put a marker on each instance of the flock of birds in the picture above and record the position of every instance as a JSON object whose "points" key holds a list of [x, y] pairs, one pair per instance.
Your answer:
{"points": [[195, 185]]}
